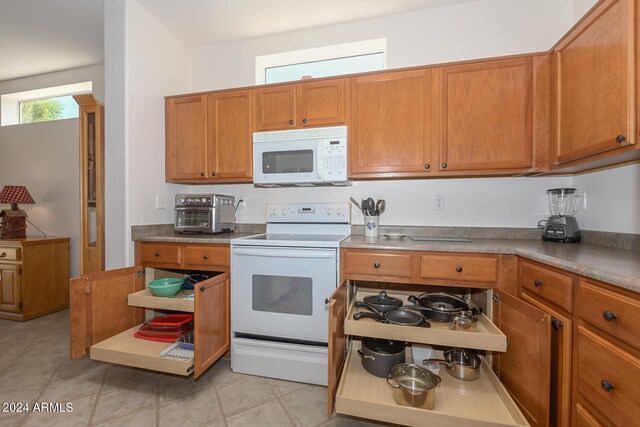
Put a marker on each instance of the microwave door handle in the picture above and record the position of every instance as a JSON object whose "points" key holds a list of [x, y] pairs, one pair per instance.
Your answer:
{"points": [[320, 159], [279, 253]]}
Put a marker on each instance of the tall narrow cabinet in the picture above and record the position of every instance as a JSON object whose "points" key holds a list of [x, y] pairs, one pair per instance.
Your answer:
{"points": [[91, 183]]}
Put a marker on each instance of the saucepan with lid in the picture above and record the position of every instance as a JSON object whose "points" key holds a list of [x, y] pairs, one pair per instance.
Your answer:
{"points": [[463, 364], [440, 306], [383, 302]]}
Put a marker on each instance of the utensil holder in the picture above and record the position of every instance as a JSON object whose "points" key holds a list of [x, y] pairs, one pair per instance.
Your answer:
{"points": [[371, 226]]}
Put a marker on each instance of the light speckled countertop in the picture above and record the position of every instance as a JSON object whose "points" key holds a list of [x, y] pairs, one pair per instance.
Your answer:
{"points": [[619, 267]]}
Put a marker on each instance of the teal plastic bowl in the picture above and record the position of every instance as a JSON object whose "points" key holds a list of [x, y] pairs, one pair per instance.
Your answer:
{"points": [[165, 287]]}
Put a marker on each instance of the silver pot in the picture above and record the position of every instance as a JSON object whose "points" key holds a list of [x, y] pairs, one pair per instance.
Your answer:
{"points": [[413, 386], [380, 355], [461, 364]]}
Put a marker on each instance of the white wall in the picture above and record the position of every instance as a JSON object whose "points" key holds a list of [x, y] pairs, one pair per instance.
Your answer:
{"points": [[580, 7], [464, 31], [45, 158], [613, 200]]}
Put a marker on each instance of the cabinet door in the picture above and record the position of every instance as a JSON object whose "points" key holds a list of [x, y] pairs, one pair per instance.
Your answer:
{"points": [[337, 342], [99, 307], [186, 138], [391, 124], [525, 367], [594, 81], [211, 327], [486, 116], [10, 296], [321, 103], [230, 137], [275, 108]]}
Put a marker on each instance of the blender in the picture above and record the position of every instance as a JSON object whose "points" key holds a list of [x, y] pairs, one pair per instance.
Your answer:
{"points": [[562, 225]]}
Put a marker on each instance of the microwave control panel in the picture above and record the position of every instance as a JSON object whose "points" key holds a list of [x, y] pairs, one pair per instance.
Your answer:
{"points": [[335, 159]]}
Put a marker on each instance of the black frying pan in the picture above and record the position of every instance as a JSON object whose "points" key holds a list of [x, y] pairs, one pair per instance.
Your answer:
{"points": [[397, 316], [383, 302]]}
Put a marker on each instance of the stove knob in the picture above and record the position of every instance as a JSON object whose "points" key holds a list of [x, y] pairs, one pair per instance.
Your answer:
{"points": [[284, 211], [339, 211], [329, 211], [274, 212]]}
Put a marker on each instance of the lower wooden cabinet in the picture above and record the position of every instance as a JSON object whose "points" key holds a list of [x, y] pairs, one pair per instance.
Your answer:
{"points": [[108, 308]]}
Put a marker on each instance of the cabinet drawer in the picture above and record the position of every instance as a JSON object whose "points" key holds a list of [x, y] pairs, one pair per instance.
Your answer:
{"points": [[465, 267], [555, 287], [483, 402], [378, 264], [152, 254], [614, 313], [602, 366], [9, 254], [206, 255]]}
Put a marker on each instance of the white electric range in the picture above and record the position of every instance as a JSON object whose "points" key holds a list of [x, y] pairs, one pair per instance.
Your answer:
{"points": [[281, 282]]}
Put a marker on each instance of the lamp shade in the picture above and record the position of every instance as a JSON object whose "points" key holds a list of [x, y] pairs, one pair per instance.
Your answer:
{"points": [[11, 194]]}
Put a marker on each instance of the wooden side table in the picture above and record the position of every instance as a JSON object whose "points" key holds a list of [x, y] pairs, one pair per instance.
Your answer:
{"points": [[34, 277]]}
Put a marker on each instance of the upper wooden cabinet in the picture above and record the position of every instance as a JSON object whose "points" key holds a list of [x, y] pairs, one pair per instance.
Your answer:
{"points": [[208, 138], [391, 124], [594, 108], [486, 116], [300, 105]]}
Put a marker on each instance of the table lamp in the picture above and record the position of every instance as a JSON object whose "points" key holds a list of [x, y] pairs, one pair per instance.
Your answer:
{"points": [[14, 220]]}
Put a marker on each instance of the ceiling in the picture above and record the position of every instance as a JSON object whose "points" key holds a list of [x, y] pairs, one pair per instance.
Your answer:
{"points": [[42, 36], [204, 22]]}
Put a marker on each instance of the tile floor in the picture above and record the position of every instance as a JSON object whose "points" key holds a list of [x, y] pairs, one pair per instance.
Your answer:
{"points": [[35, 368]]}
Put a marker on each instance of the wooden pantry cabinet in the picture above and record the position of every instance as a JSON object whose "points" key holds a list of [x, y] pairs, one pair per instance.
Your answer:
{"points": [[34, 277], [301, 105], [108, 308], [353, 391], [209, 138], [594, 120]]}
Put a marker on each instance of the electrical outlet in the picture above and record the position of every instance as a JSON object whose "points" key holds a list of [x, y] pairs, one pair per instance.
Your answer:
{"points": [[438, 202], [160, 201]]}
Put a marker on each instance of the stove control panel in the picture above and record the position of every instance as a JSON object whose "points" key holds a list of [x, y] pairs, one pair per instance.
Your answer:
{"points": [[309, 213]]}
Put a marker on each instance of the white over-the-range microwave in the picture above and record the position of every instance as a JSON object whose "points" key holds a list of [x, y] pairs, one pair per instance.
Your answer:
{"points": [[300, 157]]}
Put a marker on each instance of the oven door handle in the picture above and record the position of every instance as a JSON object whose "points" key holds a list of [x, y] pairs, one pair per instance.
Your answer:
{"points": [[284, 253]]}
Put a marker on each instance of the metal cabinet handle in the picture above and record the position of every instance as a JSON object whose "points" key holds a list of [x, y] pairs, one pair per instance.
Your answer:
{"points": [[303, 121], [609, 316], [607, 386], [213, 173], [202, 288], [444, 166], [291, 122], [157, 254], [203, 174], [556, 324], [427, 165], [459, 269], [326, 301], [376, 265], [620, 139], [537, 283], [3, 255], [205, 256]]}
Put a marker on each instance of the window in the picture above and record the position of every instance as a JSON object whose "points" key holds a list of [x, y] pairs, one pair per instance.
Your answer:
{"points": [[42, 105], [369, 55]]}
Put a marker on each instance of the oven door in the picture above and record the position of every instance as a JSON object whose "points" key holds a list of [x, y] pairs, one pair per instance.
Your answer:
{"points": [[280, 292], [288, 162], [193, 219]]}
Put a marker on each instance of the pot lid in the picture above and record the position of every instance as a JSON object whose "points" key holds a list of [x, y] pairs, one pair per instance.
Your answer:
{"points": [[383, 299], [382, 346]]}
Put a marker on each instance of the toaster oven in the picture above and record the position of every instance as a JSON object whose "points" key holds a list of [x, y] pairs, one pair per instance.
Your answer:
{"points": [[205, 213]]}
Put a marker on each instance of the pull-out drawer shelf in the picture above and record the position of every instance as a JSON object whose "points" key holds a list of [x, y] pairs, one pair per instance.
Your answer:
{"points": [[483, 402]]}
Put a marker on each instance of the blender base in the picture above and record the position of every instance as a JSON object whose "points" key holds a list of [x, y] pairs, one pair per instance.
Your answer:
{"points": [[562, 229]]}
